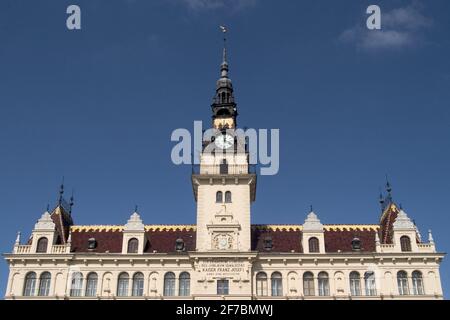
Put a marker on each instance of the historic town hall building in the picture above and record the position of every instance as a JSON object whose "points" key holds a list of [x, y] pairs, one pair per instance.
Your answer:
{"points": [[224, 256]]}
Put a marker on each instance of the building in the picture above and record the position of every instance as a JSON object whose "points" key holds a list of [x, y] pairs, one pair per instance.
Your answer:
{"points": [[224, 256]]}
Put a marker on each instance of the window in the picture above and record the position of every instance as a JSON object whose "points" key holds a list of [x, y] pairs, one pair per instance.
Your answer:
{"points": [[355, 283], [138, 285], [308, 284], [185, 284], [133, 245], [369, 281], [76, 285], [44, 284], [92, 243], [224, 167], [402, 283], [405, 243], [179, 244], [356, 244], [228, 197], [122, 284], [222, 287], [313, 244], [324, 287], [277, 284], [42, 245], [268, 244], [219, 197], [261, 284], [417, 282], [30, 284], [91, 285], [169, 284]]}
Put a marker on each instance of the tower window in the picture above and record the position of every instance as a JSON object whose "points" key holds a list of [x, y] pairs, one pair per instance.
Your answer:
{"points": [[313, 244], [228, 197], [405, 243], [219, 197], [224, 167], [133, 244], [42, 245], [222, 287]]}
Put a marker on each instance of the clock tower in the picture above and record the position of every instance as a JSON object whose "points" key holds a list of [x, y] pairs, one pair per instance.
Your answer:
{"points": [[224, 186]]}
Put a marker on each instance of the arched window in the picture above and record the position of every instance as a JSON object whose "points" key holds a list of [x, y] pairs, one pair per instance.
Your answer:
{"points": [[133, 245], [355, 283], [417, 281], [369, 281], [138, 285], [76, 284], [405, 243], [30, 284], [122, 284], [91, 285], [228, 197], [324, 284], [219, 197], [185, 284], [224, 167], [313, 244], [42, 245], [308, 284], [169, 284], [277, 284], [44, 284], [261, 284], [402, 283]]}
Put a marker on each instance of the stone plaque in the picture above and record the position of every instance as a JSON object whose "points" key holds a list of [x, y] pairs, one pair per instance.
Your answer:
{"points": [[223, 269]]}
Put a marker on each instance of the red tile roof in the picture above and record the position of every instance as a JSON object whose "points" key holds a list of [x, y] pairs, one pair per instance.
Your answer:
{"points": [[284, 238]]}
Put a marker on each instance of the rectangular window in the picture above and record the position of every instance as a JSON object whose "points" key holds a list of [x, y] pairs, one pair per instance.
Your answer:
{"points": [[222, 287]]}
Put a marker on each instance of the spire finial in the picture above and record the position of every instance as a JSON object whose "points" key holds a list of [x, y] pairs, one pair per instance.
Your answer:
{"points": [[311, 208], [136, 208], [61, 191], [388, 185], [48, 207], [430, 237], [224, 65], [18, 237], [71, 202]]}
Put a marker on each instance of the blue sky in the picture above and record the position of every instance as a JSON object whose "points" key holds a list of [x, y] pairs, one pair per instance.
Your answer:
{"points": [[98, 107]]}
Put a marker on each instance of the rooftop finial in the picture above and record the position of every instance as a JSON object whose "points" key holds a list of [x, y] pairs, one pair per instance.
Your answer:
{"points": [[61, 191], [71, 203], [388, 185], [135, 208], [224, 65], [311, 208]]}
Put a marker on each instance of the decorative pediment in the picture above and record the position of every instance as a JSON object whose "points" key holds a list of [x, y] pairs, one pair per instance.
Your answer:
{"points": [[312, 223], [134, 223], [403, 221], [45, 222]]}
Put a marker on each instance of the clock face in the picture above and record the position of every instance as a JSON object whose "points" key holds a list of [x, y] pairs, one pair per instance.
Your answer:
{"points": [[223, 243], [224, 141]]}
